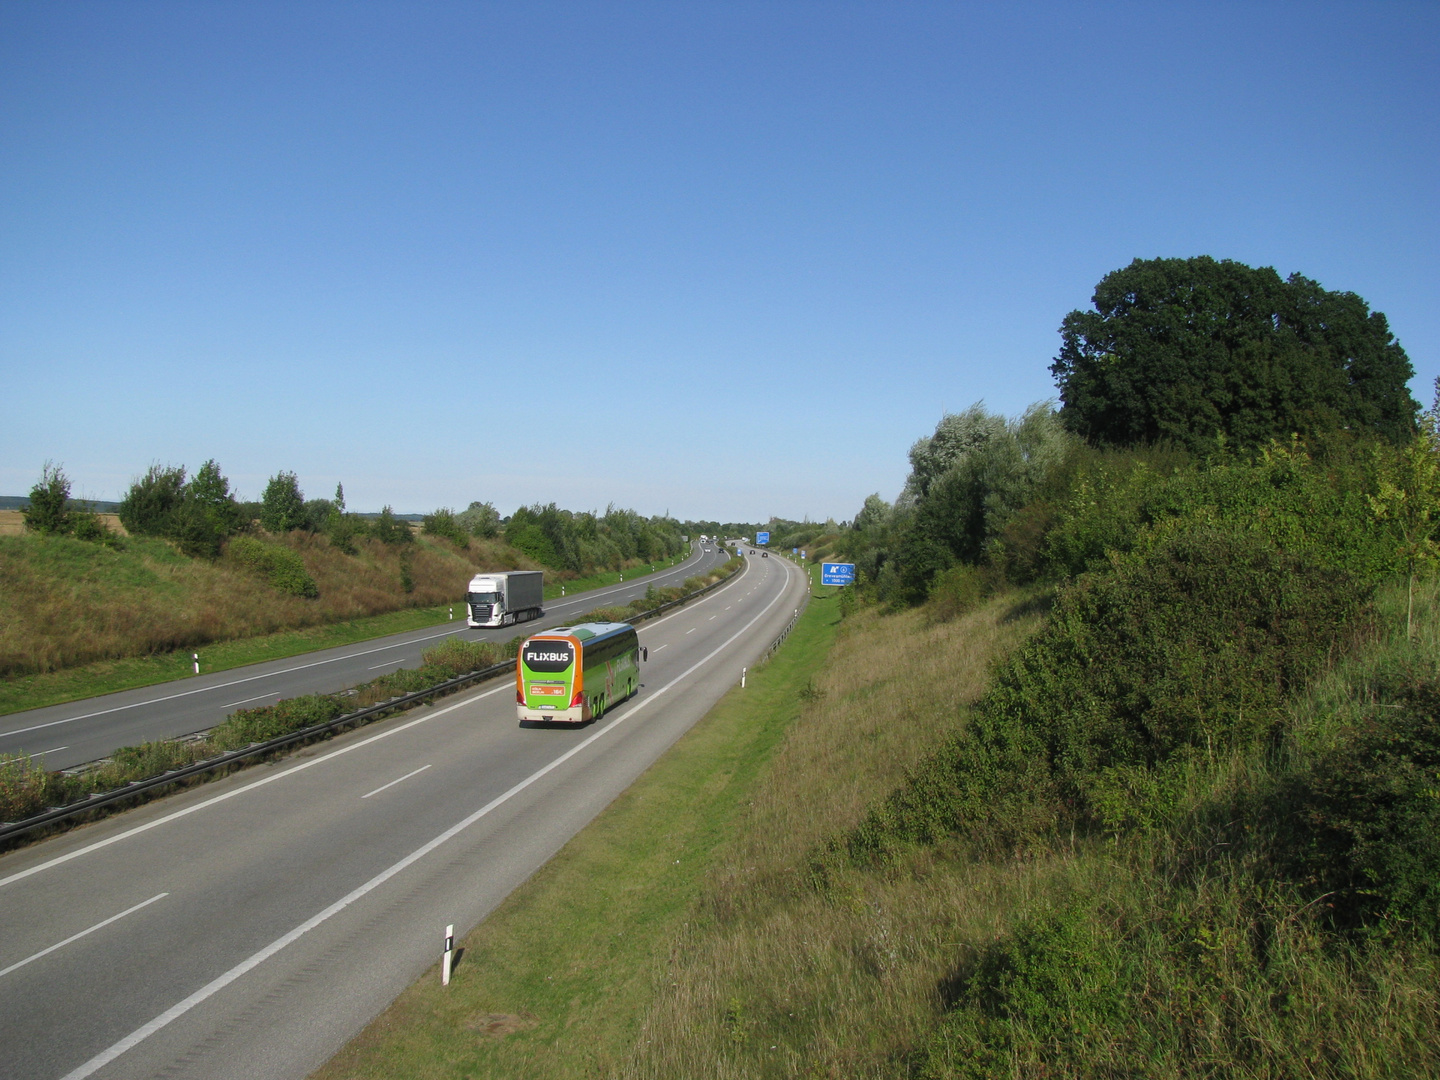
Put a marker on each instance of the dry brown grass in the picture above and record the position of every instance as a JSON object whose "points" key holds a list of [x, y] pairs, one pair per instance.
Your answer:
{"points": [[65, 602], [768, 957], [892, 689]]}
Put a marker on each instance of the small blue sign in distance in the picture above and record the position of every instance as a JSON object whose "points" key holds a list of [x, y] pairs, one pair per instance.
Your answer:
{"points": [[837, 573], [762, 538]]}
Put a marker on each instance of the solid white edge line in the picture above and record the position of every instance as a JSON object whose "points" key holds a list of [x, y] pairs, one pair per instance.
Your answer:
{"points": [[272, 674], [139, 1035], [82, 933], [392, 783], [281, 775]]}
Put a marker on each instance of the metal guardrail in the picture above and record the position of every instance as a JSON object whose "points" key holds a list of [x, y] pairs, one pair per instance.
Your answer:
{"points": [[774, 646], [370, 712]]}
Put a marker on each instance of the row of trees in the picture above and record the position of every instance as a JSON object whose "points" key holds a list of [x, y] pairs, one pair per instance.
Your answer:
{"points": [[581, 542], [200, 513]]}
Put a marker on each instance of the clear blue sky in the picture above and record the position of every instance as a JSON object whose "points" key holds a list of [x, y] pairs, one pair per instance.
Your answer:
{"points": [[725, 260]]}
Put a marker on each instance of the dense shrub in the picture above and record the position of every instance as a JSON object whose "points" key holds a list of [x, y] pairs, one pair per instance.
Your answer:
{"points": [[1187, 650], [49, 509], [389, 529], [246, 726], [480, 519], [149, 506], [1118, 502], [584, 542], [618, 613], [197, 515], [1370, 808], [955, 591], [458, 656], [85, 525], [52, 513], [283, 568], [443, 523], [1054, 985]]}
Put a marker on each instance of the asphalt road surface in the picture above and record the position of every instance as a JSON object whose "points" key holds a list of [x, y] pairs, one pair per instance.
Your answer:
{"points": [[60, 736], [251, 926]]}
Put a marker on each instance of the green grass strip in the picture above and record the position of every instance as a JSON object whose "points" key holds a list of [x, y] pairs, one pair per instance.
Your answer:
{"points": [[556, 982], [111, 676]]}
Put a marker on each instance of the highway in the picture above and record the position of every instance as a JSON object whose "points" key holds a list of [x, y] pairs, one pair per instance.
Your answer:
{"points": [[61, 736], [251, 926]]}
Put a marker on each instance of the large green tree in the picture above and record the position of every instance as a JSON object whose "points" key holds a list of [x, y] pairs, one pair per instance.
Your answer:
{"points": [[1188, 349]]}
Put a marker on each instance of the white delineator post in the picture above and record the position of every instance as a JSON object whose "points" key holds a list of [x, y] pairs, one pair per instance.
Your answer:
{"points": [[196, 658], [449, 952], [742, 677]]}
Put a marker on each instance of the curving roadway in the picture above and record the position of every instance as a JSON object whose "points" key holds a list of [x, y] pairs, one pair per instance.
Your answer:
{"points": [[253, 925], [61, 736]]}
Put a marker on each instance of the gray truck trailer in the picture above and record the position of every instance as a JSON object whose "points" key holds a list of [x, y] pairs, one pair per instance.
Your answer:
{"points": [[505, 597]]}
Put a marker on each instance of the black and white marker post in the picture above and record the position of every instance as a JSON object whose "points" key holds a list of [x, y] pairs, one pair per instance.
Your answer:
{"points": [[449, 953]]}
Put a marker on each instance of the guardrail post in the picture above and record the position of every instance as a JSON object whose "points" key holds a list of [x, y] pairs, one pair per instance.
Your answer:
{"points": [[449, 952]]}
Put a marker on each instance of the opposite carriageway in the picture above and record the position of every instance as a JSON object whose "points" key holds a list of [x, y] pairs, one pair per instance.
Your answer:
{"points": [[300, 898], [62, 736]]}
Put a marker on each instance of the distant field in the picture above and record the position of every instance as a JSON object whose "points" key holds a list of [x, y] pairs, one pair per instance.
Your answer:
{"points": [[12, 523]]}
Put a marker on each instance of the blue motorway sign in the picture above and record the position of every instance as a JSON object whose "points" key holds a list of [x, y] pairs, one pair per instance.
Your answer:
{"points": [[762, 538], [837, 573]]}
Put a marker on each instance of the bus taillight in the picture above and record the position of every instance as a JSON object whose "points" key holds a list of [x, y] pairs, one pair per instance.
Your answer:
{"points": [[579, 697], [519, 696]]}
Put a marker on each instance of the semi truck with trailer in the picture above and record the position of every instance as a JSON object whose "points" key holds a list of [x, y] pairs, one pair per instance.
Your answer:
{"points": [[505, 597]]}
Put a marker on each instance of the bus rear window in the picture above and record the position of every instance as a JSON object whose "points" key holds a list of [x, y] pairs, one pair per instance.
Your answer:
{"points": [[549, 655]]}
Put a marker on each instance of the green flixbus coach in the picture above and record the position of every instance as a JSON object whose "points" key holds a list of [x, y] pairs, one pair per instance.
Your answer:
{"points": [[573, 674]]}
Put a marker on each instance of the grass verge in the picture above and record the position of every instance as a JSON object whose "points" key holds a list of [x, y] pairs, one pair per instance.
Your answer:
{"points": [[578, 948]]}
